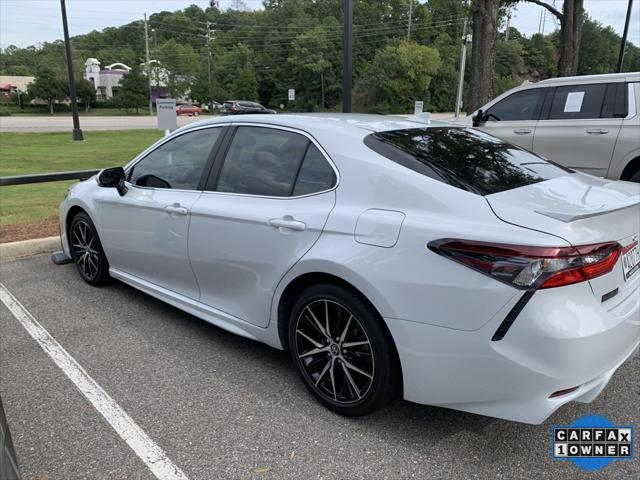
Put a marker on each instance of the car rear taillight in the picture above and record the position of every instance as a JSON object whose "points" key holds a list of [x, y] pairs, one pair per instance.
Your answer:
{"points": [[531, 268]]}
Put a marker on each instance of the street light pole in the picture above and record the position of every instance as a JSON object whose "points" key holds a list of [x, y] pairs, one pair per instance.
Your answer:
{"points": [[463, 57], [77, 132], [624, 37], [347, 45], [146, 56]]}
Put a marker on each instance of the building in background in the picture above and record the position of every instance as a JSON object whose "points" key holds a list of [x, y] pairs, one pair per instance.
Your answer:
{"points": [[107, 80], [13, 84], [159, 78]]}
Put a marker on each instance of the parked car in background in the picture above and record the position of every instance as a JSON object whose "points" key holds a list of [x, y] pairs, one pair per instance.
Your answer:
{"points": [[391, 257], [588, 123], [188, 109], [238, 107]]}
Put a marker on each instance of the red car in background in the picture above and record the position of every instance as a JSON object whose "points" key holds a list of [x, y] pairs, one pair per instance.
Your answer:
{"points": [[190, 110]]}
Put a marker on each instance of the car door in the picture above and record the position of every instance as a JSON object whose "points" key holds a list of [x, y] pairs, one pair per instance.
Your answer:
{"points": [[264, 206], [514, 118], [144, 233], [581, 126]]}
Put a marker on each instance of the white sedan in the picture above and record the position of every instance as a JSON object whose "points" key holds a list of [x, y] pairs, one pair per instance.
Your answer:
{"points": [[391, 257]]}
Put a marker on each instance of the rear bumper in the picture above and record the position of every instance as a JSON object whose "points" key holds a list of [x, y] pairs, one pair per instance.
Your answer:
{"points": [[563, 338]]}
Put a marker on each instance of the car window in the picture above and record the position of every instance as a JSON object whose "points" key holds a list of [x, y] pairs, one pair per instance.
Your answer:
{"points": [[578, 101], [246, 104], [262, 161], [464, 158], [316, 175], [177, 164], [522, 105]]}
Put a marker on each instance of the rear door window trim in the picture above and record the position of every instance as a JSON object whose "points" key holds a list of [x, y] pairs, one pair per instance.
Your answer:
{"points": [[210, 186]]}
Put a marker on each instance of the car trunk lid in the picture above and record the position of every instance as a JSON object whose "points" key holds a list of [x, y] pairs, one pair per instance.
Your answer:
{"points": [[581, 210]]}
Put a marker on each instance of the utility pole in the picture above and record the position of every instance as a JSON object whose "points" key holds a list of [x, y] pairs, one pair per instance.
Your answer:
{"points": [[347, 46], [624, 37], [506, 33], [463, 59], [77, 132], [208, 37], [146, 55], [410, 19]]}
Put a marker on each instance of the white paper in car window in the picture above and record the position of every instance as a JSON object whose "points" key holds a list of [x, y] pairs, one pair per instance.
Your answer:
{"points": [[574, 102]]}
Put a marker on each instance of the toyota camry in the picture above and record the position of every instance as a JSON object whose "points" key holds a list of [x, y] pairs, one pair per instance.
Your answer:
{"points": [[391, 256]]}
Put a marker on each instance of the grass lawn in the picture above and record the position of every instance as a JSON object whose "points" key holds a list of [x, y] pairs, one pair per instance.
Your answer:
{"points": [[24, 153]]}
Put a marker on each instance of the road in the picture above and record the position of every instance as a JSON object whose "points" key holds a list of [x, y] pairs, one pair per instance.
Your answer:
{"points": [[221, 406], [43, 123]]}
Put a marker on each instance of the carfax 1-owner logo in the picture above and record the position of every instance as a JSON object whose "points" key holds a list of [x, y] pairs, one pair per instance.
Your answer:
{"points": [[592, 442]]}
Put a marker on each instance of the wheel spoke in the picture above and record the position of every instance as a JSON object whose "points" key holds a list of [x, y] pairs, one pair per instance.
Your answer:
{"points": [[315, 344], [354, 344], [326, 316], [346, 329], [356, 369], [324, 370], [317, 322], [333, 380], [351, 381], [314, 351]]}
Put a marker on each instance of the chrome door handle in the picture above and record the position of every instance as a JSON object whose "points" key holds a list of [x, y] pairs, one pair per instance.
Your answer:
{"points": [[597, 131], [288, 222], [176, 208], [522, 131]]}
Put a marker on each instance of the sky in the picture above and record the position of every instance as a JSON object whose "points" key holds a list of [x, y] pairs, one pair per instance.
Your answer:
{"points": [[29, 22]]}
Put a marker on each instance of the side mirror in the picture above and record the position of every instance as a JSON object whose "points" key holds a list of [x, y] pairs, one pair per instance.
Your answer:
{"points": [[478, 118], [113, 178]]}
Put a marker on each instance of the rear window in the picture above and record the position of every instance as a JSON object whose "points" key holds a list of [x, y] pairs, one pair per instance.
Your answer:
{"points": [[464, 158]]}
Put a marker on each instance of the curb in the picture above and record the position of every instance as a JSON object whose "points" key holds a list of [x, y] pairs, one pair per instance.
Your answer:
{"points": [[24, 248]]}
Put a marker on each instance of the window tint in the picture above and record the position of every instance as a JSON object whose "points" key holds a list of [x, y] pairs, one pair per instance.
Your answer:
{"points": [[521, 105], [178, 163], [465, 158], [578, 101], [262, 161], [615, 101], [316, 175]]}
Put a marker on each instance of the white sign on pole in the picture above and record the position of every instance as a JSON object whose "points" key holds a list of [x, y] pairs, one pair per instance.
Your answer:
{"points": [[418, 107], [292, 94], [166, 108]]}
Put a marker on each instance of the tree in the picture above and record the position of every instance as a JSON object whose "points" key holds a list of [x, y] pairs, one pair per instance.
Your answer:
{"points": [[398, 76], [571, 20], [483, 54], [47, 86], [181, 63], [133, 91], [307, 57], [86, 93]]}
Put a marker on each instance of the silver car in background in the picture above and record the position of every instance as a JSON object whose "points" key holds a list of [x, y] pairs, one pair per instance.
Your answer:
{"points": [[587, 123]]}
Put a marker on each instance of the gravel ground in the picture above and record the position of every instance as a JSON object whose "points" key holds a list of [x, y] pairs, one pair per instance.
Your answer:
{"points": [[225, 407]]}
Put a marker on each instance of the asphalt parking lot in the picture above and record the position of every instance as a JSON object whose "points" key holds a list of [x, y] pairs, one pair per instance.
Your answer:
{"points": [[221, 406]]}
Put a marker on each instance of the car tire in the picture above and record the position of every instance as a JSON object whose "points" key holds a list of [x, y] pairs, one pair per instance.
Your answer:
{"points": [[635, 177], [352, 371], [87, 252]]}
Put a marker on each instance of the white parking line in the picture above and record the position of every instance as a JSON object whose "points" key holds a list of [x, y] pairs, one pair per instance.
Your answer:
{"points": [[148, 451]]}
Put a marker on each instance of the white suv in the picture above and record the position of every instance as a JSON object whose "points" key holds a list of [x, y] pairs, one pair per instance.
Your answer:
{"points": [[589, 123]]}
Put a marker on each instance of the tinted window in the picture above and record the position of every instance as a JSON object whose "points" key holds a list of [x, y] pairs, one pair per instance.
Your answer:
{"points": [[316, 175], [262, 161], [578, 101], [178, 163], [465, 158], [521, 105]]}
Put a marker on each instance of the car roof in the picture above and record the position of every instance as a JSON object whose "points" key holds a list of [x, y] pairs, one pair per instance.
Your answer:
{"points": [[355, 122], [602, 78]]}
